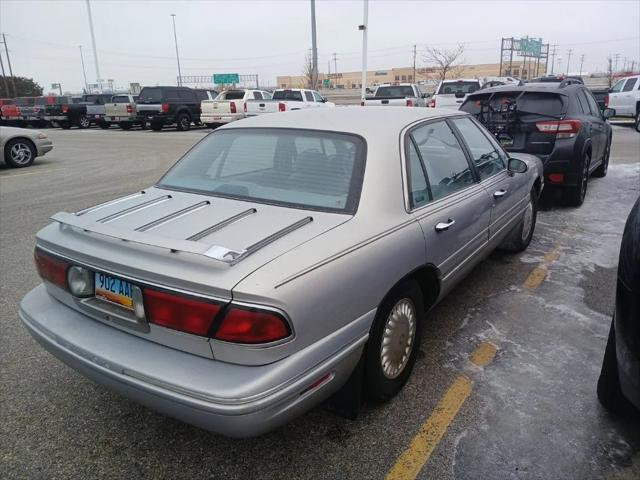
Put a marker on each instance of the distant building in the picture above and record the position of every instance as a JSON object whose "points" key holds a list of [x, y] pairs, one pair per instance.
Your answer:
{"points": [[402, 75]]}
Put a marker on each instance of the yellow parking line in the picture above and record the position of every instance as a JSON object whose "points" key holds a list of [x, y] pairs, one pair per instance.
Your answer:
{"points": [[409, 464], [538, 275]]}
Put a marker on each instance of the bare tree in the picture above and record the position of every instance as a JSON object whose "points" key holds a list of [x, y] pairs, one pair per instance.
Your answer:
{"points": [[307, 70], [445, 61]]}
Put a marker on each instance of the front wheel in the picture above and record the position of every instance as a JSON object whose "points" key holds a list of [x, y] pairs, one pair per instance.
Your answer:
{"points": [[394, 341], [105, 125], [574, 196], [183, 122], [83, 121], [125, 125], [520, 237], [19, 153], [609, 390]]}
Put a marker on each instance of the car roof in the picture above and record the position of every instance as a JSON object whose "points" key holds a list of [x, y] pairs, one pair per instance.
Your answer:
{"points": [[546, 87], [454, 80], [365, 121]]}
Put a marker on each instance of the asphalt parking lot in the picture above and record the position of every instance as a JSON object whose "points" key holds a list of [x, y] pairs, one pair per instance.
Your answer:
{"points": [[504, 386]]}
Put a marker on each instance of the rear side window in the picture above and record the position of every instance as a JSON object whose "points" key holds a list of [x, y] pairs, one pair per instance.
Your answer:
{"points": [[444, 159], [395, 91], [486, 156], [266, 95], [288, 95], [317, 97], [617, 87], [418, 190], [120, 99], [448, 88], [593, 105], [257, 96], [232, 95], [191, 96], [629, 85], [151, 95]]}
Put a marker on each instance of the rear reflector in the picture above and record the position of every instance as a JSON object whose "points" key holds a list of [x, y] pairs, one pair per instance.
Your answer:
{"points": [[432, 103], [232, 106], [561, 128], [409, 103], [165, 108], [186, 314], [282, 107], [250, 325], [50, 268], [65, 108], [556, 177]]}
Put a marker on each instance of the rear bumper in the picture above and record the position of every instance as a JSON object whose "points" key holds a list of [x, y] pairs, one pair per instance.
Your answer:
{"points": [[123, 119], [566, 159], [233, 400], [56, 118], [211, 118]]}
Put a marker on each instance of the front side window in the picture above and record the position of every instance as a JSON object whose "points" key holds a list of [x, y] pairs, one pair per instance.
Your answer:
{"points": [[295, 95], [318, 97], [593, 105], [486, 156], [305, 169], [617, 87], [444, 159]]}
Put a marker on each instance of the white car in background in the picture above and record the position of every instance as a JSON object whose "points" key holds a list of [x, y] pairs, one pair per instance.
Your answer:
{"points": [[229, 106], [21, 146], [452, 93], [287, 99], [624, 98]]}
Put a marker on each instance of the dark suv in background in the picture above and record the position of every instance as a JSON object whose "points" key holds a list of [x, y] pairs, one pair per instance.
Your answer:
{"points": [[560, 122], [162, 106]]}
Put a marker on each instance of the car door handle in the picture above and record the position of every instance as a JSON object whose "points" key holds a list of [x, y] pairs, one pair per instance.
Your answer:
{"points": [[500, 193], [442, 226]]}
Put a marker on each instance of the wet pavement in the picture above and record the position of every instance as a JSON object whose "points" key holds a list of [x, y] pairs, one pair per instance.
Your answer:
{"points": [[531, 411]]}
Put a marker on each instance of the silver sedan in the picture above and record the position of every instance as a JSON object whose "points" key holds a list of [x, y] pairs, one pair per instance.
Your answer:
{"points": [[280, 253], [21, 146]]}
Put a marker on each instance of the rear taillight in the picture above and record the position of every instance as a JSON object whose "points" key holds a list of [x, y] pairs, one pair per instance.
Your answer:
{"points": [[282, 107], [362, 103], [556, 177], [409, 103], [560, 128], [65, 108], [232, 106], [606, 100], [50, 268], [432, 103], [244, 107], [129, 108], [165, 108], [250, 325], [186, 314]]}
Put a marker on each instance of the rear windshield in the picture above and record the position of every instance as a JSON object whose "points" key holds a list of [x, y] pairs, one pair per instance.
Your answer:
{"points": [[287, 95], [299, 168], [150, 95], [395, 91], [231, 95], [120, 99], [528, 103], [458, 86], [91, 98]]}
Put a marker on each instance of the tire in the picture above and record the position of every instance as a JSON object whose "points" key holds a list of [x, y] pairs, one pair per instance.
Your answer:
{"points": [[83, 121], [637, 126], [125, 125], [601, 171], [183, 122], [65, 125], [520, 237], [574, 196], [384, 380], [609, 391], [105, 125], [19, 153], [156, 127]]}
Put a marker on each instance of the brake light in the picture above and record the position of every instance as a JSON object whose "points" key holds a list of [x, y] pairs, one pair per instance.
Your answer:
{"points": [[129, 108], [244, 107], [251, 325], [556, 177], [606, 101], [65, 108], [281, 107], [186, 314], [362, 103], [165, 108], [232, 106], [50, 268], [432, 103], [561, 128], [409, 103]]}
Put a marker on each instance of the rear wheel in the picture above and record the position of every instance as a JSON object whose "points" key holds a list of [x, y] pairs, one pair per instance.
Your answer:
{"points": [[125, 125], [83, 121], [105, 125], [393, 342], [609, 391], [156, 127], [575, 195], [638, 121], [520, 237], [19, 153], [601, 171], [183, 122]]}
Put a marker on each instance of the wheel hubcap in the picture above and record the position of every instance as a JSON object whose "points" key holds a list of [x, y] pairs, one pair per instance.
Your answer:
{"points": [[20, 153], [397, 338], [527, 221], [84, 121]]}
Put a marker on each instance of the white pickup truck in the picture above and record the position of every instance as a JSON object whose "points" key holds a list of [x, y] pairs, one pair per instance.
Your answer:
{"points": [[121, 109], [229, 106], [402, 95], [284, 100], [624, 98], [452, 93]]}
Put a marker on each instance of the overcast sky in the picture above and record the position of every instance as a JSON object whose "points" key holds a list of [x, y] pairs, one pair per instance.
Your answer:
{"points": [[135, 38]]}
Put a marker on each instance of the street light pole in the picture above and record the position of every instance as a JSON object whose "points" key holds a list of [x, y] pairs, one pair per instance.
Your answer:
{"points": [[84, 73], [364, 27], [175, 37], [93, 41], [314, 47]]}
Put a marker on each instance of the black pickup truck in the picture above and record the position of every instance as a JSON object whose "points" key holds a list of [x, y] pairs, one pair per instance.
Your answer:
{"points": [[162, 106], [80, 112]]}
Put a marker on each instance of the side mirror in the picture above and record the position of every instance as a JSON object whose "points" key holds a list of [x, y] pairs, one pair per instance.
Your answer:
{"points": [[517, 166], [608, 113]]}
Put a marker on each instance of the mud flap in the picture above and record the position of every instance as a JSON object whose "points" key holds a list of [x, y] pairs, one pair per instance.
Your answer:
{"points": [[346, 401]]}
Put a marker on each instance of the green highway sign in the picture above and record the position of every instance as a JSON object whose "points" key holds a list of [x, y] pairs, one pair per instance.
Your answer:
{"points": [[326, 82], [226, 78], [529, 47]]}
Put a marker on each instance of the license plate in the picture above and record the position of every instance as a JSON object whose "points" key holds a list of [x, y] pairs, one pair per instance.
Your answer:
{"points": [[217, 118], [114, 290], [150, 117]]}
